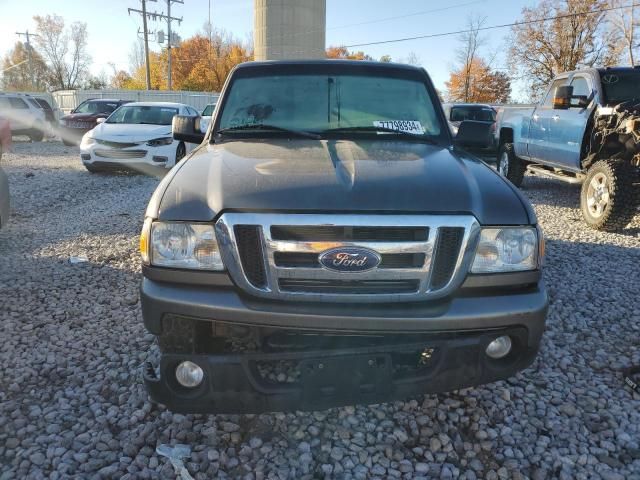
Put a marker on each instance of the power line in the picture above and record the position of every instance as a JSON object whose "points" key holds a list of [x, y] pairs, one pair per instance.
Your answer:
{"points": [[30, 59], [155, 16], [143, 12], [377, 20], [169, 39], [414, 14], [493, 27], [14, 66]]}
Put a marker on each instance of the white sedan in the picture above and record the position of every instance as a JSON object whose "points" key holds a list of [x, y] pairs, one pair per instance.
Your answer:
{"points": [[136, 136]]}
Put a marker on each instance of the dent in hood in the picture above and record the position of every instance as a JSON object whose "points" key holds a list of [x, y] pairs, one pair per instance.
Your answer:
{"points": [[336, 176]]}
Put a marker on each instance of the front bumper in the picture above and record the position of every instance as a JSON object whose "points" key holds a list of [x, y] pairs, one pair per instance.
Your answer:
{"points": [[233, 383], [135, 158], [455, 330], [468, 312]]}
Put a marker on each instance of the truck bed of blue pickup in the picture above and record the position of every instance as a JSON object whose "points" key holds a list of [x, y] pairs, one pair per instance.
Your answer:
{"points": [[586, 129]]}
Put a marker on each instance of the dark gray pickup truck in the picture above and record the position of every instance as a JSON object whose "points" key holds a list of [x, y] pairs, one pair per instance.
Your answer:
{"points": [[329, 243]]}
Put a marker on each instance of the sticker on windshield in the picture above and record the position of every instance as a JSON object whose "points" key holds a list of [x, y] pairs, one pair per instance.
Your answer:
{"points": [[409, 126]]}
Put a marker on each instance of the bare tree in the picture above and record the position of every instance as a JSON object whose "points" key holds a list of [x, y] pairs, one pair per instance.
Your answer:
{"points": [[467, 54], [136, 56], [624, 27], [65, 51], [540, 49], [412, 59]]}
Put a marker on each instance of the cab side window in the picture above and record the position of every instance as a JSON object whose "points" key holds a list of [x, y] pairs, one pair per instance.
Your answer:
{"points": [[18, 103], [581, 86], [548, 101]]}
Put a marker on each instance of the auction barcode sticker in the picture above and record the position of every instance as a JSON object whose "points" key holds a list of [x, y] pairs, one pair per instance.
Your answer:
{"points": [[410, 126]]}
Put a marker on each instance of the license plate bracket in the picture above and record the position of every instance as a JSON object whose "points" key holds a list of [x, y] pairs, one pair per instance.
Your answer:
{"points": [[346, 376]]}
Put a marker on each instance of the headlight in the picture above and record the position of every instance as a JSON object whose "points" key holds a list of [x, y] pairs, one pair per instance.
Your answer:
{"points": [[180, 245], [87, 140], [158, 142], [508, 249]]}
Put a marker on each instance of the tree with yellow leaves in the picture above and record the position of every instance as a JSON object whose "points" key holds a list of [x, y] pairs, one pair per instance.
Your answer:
{"points": [[476, 83], [199, 63]]}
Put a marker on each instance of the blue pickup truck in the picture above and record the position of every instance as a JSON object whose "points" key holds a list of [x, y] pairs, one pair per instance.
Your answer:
{"points": [[585, 130]]}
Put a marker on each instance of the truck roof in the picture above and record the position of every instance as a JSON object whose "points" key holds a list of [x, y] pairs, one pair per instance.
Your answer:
{"points": [[328, 62], [596, 71]]}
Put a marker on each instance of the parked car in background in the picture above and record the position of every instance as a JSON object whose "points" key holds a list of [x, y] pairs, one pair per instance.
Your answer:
{"points": [[206, 117], [49, 112], [85, 117], [457, 113], [585, 130], [330, 222], [135, 136], [26, 116]]}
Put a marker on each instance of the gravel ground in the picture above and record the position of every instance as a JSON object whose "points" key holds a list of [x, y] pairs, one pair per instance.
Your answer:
{"points": [[72, 403]]}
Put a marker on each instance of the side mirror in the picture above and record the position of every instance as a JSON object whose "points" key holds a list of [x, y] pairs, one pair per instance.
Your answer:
{"points": [[472, 134], [100, 120], [582, 101], [562, 97], [187, 129]]}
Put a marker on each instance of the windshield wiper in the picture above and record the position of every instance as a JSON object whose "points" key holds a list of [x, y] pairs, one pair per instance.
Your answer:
{"points": [[262, 126], [375, 129]]}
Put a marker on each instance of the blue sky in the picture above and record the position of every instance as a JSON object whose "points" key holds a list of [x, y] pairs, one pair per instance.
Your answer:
{"points": [[112, 31]]}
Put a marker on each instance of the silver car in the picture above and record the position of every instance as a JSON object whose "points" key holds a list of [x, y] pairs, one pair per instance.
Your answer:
{"points": [[4, 198]]}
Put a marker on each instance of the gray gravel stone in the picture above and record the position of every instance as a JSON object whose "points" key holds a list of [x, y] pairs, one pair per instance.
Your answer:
{"points": [[77, 408]]}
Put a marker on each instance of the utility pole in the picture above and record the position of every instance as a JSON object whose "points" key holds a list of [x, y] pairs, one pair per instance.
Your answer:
{"points": [[169, 38], [155, 16], [28, 43], [143, 12]]}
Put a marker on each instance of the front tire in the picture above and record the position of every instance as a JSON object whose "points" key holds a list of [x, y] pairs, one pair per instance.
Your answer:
{"points": [[607, 199], [93, 169], [181, 151], [36, 135], [509, 165]]}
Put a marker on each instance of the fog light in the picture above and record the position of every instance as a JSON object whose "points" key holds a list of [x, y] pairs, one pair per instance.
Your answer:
{"points": [[159, 159], [189, 374], [499, 348]]}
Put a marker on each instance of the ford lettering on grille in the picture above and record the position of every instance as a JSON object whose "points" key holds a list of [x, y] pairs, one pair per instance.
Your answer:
{"points": [[349, 259]]}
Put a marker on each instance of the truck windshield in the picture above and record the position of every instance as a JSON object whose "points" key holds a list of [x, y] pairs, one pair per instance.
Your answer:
{"points": [[357, 104], [620, 86]]}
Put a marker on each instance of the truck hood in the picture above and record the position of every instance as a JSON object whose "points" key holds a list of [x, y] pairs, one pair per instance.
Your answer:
{"points": [[84, 117], [336, 176]]}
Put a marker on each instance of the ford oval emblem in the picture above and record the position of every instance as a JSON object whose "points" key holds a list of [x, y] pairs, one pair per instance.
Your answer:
{"points": [[349, 259]]}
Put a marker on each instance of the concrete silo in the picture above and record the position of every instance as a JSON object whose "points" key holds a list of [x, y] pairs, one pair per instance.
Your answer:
{"points": [[289, 29]]}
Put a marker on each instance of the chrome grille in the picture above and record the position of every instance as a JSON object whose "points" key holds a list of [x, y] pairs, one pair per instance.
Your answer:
{"points": [[76, 124], [277, 255], [120, 154], [110, 144]]}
